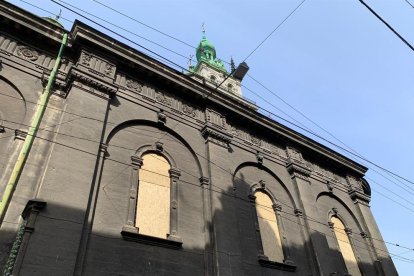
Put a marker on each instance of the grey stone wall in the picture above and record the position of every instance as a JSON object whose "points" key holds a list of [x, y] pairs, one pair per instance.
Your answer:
{"points": [[109, 105]]}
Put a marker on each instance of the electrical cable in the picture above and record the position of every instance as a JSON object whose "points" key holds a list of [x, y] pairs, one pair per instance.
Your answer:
{"points": [[275, 29], [304, 129], [386, 24], [329, 133], [296, 125], [164, 135], [409, 3], [197, 185], [222, 191]]}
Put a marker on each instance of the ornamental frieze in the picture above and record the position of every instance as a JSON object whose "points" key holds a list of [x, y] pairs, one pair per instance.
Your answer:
{"points": [[23, 53], [251, 139], [159, 96], [96, 65], [27, 53]]}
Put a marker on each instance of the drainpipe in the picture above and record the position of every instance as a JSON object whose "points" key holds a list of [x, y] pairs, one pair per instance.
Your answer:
{"points": [[21, 160]]}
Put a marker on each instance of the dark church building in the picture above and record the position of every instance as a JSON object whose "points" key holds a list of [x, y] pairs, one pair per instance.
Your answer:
{"points": [[113, 163]]}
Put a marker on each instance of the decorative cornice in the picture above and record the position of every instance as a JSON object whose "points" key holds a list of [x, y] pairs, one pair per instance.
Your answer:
{"points": [[85, 78], [359, 197], [175, 173], [136, 162], [216, 136], [298, 170]]}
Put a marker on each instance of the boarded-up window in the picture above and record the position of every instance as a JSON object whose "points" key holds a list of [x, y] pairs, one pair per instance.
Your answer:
{"points": [[153, 205], [269, 229], [345, 247]]}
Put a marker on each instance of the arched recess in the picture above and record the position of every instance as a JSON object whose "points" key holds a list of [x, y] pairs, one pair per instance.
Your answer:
{"points": [[13, 112], [345, 235], [262, 168], [269, 198], [162, 128], [129, 143]]}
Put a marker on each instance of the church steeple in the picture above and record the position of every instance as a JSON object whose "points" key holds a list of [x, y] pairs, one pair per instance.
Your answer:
{"points": [[212, 70], [206, 52]]}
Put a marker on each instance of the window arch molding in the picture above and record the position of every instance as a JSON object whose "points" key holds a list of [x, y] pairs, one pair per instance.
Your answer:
{"points": [[172, 238], [166, 129], [345, 244], [287, 263]]}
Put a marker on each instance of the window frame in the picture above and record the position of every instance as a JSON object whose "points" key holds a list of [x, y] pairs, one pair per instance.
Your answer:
{"points": [[129, 230], [288, 264], [348, 231]]}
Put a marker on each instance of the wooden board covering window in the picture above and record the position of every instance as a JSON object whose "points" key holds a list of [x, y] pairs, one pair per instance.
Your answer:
{"points": [[345, 247], [153, 205], [269, 229]]}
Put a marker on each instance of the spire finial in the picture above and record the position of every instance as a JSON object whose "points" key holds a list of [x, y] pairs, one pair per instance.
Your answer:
{"points": [[203, 29], [58, 15]]}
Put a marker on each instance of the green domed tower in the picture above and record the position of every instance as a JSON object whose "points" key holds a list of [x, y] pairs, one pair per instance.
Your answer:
{"points": [[212, 69]]}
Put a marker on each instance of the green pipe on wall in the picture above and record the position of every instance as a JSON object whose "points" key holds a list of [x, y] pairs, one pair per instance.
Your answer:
{"points": [[21, 160]]}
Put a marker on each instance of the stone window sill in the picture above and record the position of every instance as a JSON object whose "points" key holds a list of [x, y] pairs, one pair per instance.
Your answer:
{"points": [[285, 266], [131, 234]]}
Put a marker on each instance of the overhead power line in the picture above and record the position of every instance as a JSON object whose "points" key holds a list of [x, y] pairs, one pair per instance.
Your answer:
{"points": [[256, 94], [409, 3], [230, 195], [275, 29], [386, 24]]}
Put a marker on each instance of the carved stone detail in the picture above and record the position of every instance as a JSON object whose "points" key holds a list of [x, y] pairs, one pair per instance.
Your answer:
{"points": [[162, 98], [294, 155], [299, 171], [162, 118], [27, 53], [85, 59], [216, 136], [175, 173], [136, 162], [259, 158], [359, 197], [354, 183], [216, 119], [251, 139], [91, 83], [277, 207], [189, 110], [133, 85], [159, 146], [298, 212], [204, 181], [329, 186], [97, 65]]}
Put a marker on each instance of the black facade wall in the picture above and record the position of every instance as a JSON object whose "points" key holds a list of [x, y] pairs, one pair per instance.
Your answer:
{"points": [[111, 103]]}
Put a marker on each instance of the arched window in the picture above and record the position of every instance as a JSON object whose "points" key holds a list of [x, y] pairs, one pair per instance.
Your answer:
{"points": [[269, 228], [345, 246], [154, 193]]}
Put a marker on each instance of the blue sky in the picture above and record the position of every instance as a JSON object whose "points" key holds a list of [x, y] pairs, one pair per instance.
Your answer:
{"points": [[332, 60]]}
